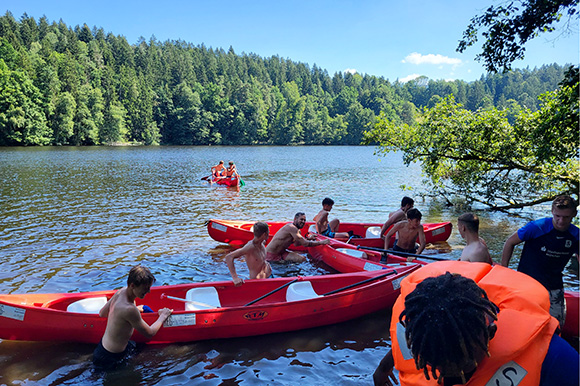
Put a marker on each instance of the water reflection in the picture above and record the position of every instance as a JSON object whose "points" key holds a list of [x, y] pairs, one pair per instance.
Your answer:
{"points": [[77, 219]]}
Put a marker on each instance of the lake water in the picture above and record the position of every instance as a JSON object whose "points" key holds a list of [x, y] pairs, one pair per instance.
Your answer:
{"points": [[77, 219]]}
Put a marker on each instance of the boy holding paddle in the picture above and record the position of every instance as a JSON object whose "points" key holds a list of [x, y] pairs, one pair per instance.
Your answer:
{"points": [[123, 317], [255, 253]]}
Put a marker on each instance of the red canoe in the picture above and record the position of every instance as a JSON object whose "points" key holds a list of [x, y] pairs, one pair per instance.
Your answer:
{"points": [[346, 258], [212, 310], [238, 233], [228, 181]]}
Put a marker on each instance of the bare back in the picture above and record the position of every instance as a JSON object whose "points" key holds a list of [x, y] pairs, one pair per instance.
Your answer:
{"points": [[119, 328], [476, 251], [394, 217], [321, 221], [287, 235]]}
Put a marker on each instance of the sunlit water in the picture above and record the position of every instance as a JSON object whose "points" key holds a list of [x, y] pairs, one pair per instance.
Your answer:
{"points": [[77, 219]]}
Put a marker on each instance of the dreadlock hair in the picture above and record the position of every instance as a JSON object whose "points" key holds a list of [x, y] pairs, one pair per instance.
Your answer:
{"points": [[446, 324]]}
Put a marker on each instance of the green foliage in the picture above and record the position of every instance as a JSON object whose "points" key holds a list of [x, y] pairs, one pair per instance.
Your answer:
{"points": [[509, 27], [82, 86], [480, 156]]}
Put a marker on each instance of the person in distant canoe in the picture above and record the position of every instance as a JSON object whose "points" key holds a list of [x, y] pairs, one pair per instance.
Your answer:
{"points": [[218, 171], [288, 234], [398, 215], [476, 249], [408, 231], [255, 253], [123, 317], [325, 227]]}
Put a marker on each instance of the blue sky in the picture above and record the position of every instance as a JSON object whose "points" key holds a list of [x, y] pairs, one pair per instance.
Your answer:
{"points": [[393, 39]]}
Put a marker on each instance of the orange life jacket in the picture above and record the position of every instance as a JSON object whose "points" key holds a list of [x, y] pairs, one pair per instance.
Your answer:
{"points": [[524, 325]]}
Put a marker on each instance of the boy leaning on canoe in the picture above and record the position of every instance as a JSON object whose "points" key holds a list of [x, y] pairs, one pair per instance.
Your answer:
{"points": [[255, 253], [123, 317]]}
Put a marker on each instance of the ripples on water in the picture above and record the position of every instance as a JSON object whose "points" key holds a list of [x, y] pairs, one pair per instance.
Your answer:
{"points": [[77, 219]]}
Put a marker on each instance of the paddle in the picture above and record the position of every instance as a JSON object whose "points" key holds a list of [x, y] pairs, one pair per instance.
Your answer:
{"points": [[209, 306], [360, 283], [401, 253], [206, 178], [271, 292]]}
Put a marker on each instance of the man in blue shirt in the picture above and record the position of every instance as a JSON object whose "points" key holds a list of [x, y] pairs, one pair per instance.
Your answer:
{"points": [[549, 245]]}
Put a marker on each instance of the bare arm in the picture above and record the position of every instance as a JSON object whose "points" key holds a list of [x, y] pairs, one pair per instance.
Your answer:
{"points": [[302, 242], [231, 266], [385, 371], [391, 232], [508, 249], [137, 322], [386, 226], [422, 241]]}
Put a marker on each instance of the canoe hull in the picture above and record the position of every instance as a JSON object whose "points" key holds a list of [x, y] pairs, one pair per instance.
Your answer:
{"points": [[43, 317], [238, 233]]}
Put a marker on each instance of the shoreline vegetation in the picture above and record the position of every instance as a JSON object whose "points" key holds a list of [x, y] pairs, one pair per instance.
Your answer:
{"points": [[84, 86]]}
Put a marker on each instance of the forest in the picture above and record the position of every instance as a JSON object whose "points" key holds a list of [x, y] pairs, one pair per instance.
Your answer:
{"points": [[62, 85]]}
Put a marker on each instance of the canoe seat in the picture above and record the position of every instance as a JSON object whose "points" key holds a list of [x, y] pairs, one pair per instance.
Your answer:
{"points": [[205, 298], [373, 232], [88, 305], [301, 290], [312, 228], [353, 252]]}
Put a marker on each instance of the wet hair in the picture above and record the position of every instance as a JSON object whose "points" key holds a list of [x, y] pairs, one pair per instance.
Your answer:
{"points": [[140, 275], [470, 220], [328, 201], [260, 228], [221, 162], [414, 213], [407, 201], [564, 202], [446, 324], [298, 214]]}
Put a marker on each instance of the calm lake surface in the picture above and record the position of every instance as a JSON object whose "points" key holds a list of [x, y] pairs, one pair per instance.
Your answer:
{"points": [[77, 219]]}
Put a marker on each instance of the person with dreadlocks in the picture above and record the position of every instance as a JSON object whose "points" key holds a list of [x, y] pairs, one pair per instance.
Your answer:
{"points": [[463, 323]]}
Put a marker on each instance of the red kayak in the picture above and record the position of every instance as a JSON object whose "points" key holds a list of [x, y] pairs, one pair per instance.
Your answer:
{"points": [[238, 233], [209, 310], [346, 258]]}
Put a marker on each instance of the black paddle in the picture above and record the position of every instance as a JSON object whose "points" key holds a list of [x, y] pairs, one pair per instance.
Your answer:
{"points": [[360, 282], [271, 292], [402, 253]]}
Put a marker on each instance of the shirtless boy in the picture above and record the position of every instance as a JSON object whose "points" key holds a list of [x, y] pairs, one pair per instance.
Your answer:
{"points": [[255, 253], [218, 170], [398, 215], [476, 248], [408, 231], [288, 234], [326, 228], [123, 317]]}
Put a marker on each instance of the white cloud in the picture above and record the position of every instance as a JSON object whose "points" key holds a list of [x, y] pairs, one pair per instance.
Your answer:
{"points": [[417, 58], [351, 70], [409, 78]]}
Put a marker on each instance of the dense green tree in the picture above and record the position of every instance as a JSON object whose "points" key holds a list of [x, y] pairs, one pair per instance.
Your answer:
{"points": [[174, 92]]}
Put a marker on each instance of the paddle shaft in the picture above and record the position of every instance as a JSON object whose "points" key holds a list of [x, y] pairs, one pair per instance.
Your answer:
{"points": [[360, 283], [187, 301], [271, 292], [402, 253]]}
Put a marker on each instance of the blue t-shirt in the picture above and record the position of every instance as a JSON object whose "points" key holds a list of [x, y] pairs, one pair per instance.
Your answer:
{"points": [[561, 364], [547, 251]]}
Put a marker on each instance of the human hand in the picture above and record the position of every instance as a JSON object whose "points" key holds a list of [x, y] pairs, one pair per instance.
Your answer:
{"points": [[164, 312], [410, 258], [238, 281]]}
